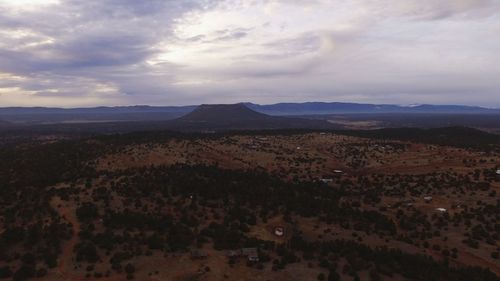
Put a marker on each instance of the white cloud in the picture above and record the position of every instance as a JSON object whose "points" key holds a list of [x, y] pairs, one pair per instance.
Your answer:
{"points": [[80, 52]]}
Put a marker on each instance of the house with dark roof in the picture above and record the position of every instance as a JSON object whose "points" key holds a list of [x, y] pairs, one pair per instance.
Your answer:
{"points": [[233, 253], [251, 253]]}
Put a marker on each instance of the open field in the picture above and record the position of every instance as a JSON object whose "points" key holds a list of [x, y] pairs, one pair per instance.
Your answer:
{"points": [[351, 208], [305, 156]]}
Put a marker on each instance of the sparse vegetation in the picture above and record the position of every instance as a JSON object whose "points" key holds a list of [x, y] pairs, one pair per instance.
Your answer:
{"points": [[117, 205]]}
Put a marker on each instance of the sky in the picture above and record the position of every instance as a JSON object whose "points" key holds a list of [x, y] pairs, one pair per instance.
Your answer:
{"points": [[84, 53]]}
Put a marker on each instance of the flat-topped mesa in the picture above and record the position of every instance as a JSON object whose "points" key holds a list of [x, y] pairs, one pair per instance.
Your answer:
{"points": [[223, 113], [219, 117]]}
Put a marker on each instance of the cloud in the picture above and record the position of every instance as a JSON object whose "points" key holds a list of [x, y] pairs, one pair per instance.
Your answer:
{"points": [[73, 48], [78, 52], [232, 35], [438, 10]]}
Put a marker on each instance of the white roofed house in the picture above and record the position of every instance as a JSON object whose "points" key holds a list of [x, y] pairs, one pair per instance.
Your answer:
{"points": [[279, 231], [326, 180]]}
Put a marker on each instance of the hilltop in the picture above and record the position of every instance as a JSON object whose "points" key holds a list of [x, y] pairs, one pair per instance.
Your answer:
{"points": [[217, 113], [237, 117]]}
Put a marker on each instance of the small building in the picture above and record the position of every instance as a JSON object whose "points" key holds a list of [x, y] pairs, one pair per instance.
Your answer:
{"points": [[233, 253], [498, 172], [442, 210], [427, 199], [198, 254], [338, 171], [251, 254], [279, 231], [326, 180]]}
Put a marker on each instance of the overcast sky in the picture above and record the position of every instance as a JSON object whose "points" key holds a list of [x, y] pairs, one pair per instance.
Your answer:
{"points": [[174, 52]]}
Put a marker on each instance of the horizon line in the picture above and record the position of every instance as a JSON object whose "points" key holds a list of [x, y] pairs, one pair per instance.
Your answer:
{"points": [[410, 105]]}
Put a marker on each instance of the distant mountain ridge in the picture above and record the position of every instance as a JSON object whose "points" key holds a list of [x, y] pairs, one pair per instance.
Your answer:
{"points": [[229, 117], [158, 113], [316, 108]]}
